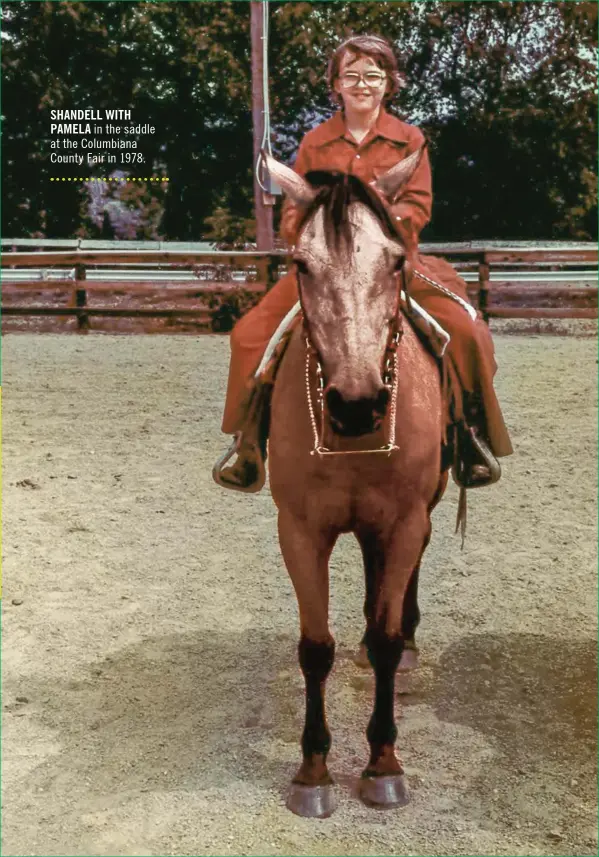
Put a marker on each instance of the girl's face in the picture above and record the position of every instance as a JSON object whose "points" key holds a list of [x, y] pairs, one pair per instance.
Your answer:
{"points": [[361, 83]]}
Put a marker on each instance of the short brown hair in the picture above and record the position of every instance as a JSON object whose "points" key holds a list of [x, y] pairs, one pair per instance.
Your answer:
{"points": [[375, 47]]}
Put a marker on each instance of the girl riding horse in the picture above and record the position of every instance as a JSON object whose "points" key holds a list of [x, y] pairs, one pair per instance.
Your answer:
{"points": [[362, 139]]}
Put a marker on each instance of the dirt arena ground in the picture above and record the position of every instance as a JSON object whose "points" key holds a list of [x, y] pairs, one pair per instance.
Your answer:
{"points": [[152, 701]]}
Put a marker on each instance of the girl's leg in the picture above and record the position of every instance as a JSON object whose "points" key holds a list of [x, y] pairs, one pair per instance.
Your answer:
{"points": [[471, 351], [249, 339], [247, 403]]}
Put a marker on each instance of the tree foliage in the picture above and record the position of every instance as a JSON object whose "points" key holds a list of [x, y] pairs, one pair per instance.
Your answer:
{"points": [[505, 92]]}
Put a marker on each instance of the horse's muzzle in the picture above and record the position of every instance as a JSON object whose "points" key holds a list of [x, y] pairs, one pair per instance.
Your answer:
{"points": [[356, 417]]}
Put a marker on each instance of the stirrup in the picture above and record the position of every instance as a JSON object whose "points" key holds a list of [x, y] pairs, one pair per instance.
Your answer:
{"points": [[224, 458], [489, 459], [251, 487], [463, 469]]}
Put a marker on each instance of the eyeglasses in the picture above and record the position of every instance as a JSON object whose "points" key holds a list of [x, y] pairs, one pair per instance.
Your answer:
{"points": [[372, 79]]}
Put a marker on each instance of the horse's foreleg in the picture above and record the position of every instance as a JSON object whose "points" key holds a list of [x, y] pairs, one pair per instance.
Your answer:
{"points": [[368, 546], [393, 559], [411, 616], [306, 556], [411, 611]]}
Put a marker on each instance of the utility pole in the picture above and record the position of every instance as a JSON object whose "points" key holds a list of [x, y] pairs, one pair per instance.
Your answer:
{"points": [[262, 212]]}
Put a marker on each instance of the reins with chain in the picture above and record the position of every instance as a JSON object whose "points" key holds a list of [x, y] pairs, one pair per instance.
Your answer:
{"points": [[390, 380], [390, 377]]}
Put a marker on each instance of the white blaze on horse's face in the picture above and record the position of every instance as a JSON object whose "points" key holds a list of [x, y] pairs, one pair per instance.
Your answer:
{"points": [[349, 300]]}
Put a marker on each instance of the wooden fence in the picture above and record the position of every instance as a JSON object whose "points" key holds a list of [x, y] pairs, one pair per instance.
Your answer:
{"points": [[225, 284]]}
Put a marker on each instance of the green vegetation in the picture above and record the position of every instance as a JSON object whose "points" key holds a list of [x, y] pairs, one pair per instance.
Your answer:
{"points": [[505, 91]]}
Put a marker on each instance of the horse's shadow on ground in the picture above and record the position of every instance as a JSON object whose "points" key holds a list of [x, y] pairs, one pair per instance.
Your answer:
{"points": [[188, 711], [199, 711], [528, 694]]}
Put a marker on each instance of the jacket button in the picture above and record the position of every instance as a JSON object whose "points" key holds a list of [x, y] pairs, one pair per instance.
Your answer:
{"points": [[357, 157]]}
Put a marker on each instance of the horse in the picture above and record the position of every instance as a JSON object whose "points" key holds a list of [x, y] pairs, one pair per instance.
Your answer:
{"points": [[355, 447]]}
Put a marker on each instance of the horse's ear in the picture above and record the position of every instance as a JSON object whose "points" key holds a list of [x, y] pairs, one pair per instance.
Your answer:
{"points": [[392, 181], [292, 184]]}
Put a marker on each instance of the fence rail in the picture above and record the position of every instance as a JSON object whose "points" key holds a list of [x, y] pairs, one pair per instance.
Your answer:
{"points": [[214, 303]]}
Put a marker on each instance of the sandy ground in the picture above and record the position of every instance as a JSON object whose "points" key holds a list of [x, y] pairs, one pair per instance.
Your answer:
{"points": [[152, 701]]}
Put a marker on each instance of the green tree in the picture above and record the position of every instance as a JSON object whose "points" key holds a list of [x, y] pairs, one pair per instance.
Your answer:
{"points": [[505, 91], [182, 66]]}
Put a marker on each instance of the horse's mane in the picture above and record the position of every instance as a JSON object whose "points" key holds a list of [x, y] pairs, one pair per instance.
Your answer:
{"points": [[336, 192]]}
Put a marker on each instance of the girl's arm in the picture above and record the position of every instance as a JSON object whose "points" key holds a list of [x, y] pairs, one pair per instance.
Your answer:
{"points": [[415, 199]]}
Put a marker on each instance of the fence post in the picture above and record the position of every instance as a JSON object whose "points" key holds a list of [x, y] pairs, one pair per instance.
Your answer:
{"points": [[81, 298], [483, 286], [262, 270], [271, 272]]}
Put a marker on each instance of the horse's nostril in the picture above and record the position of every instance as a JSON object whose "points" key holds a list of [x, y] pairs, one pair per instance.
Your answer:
{"points": [[382, 400], [356, 416], [334, 397]]}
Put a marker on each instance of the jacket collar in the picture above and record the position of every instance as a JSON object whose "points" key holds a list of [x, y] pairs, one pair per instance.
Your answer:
{"points": [[386, 126]]}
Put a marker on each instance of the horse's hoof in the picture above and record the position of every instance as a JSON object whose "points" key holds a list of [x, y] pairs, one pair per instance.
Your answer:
{"points": [[384, 792], [311, 801], [409, 661]]}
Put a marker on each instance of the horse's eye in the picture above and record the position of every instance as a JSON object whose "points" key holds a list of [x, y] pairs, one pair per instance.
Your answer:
{"points": [[400, 263], [301, 266]]}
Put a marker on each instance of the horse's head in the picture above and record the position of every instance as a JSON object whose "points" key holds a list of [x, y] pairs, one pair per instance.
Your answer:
{"points": [[347, 254]]}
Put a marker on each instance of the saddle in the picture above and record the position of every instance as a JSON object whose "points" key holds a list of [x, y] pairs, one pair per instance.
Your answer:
{"points": [[463, 448], [433, 336]]}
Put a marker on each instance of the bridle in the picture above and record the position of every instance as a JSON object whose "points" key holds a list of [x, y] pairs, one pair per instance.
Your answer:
{"points": [[390, 380]]}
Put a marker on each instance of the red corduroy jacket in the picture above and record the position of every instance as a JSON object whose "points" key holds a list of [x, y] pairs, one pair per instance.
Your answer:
{"points": [[330, 146]]}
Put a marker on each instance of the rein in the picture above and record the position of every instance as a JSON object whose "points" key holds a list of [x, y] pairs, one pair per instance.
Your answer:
{"points": [[390, 380]]}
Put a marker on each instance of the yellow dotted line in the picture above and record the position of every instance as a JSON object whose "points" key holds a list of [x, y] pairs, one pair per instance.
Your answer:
{"points": [[110, 179]]}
